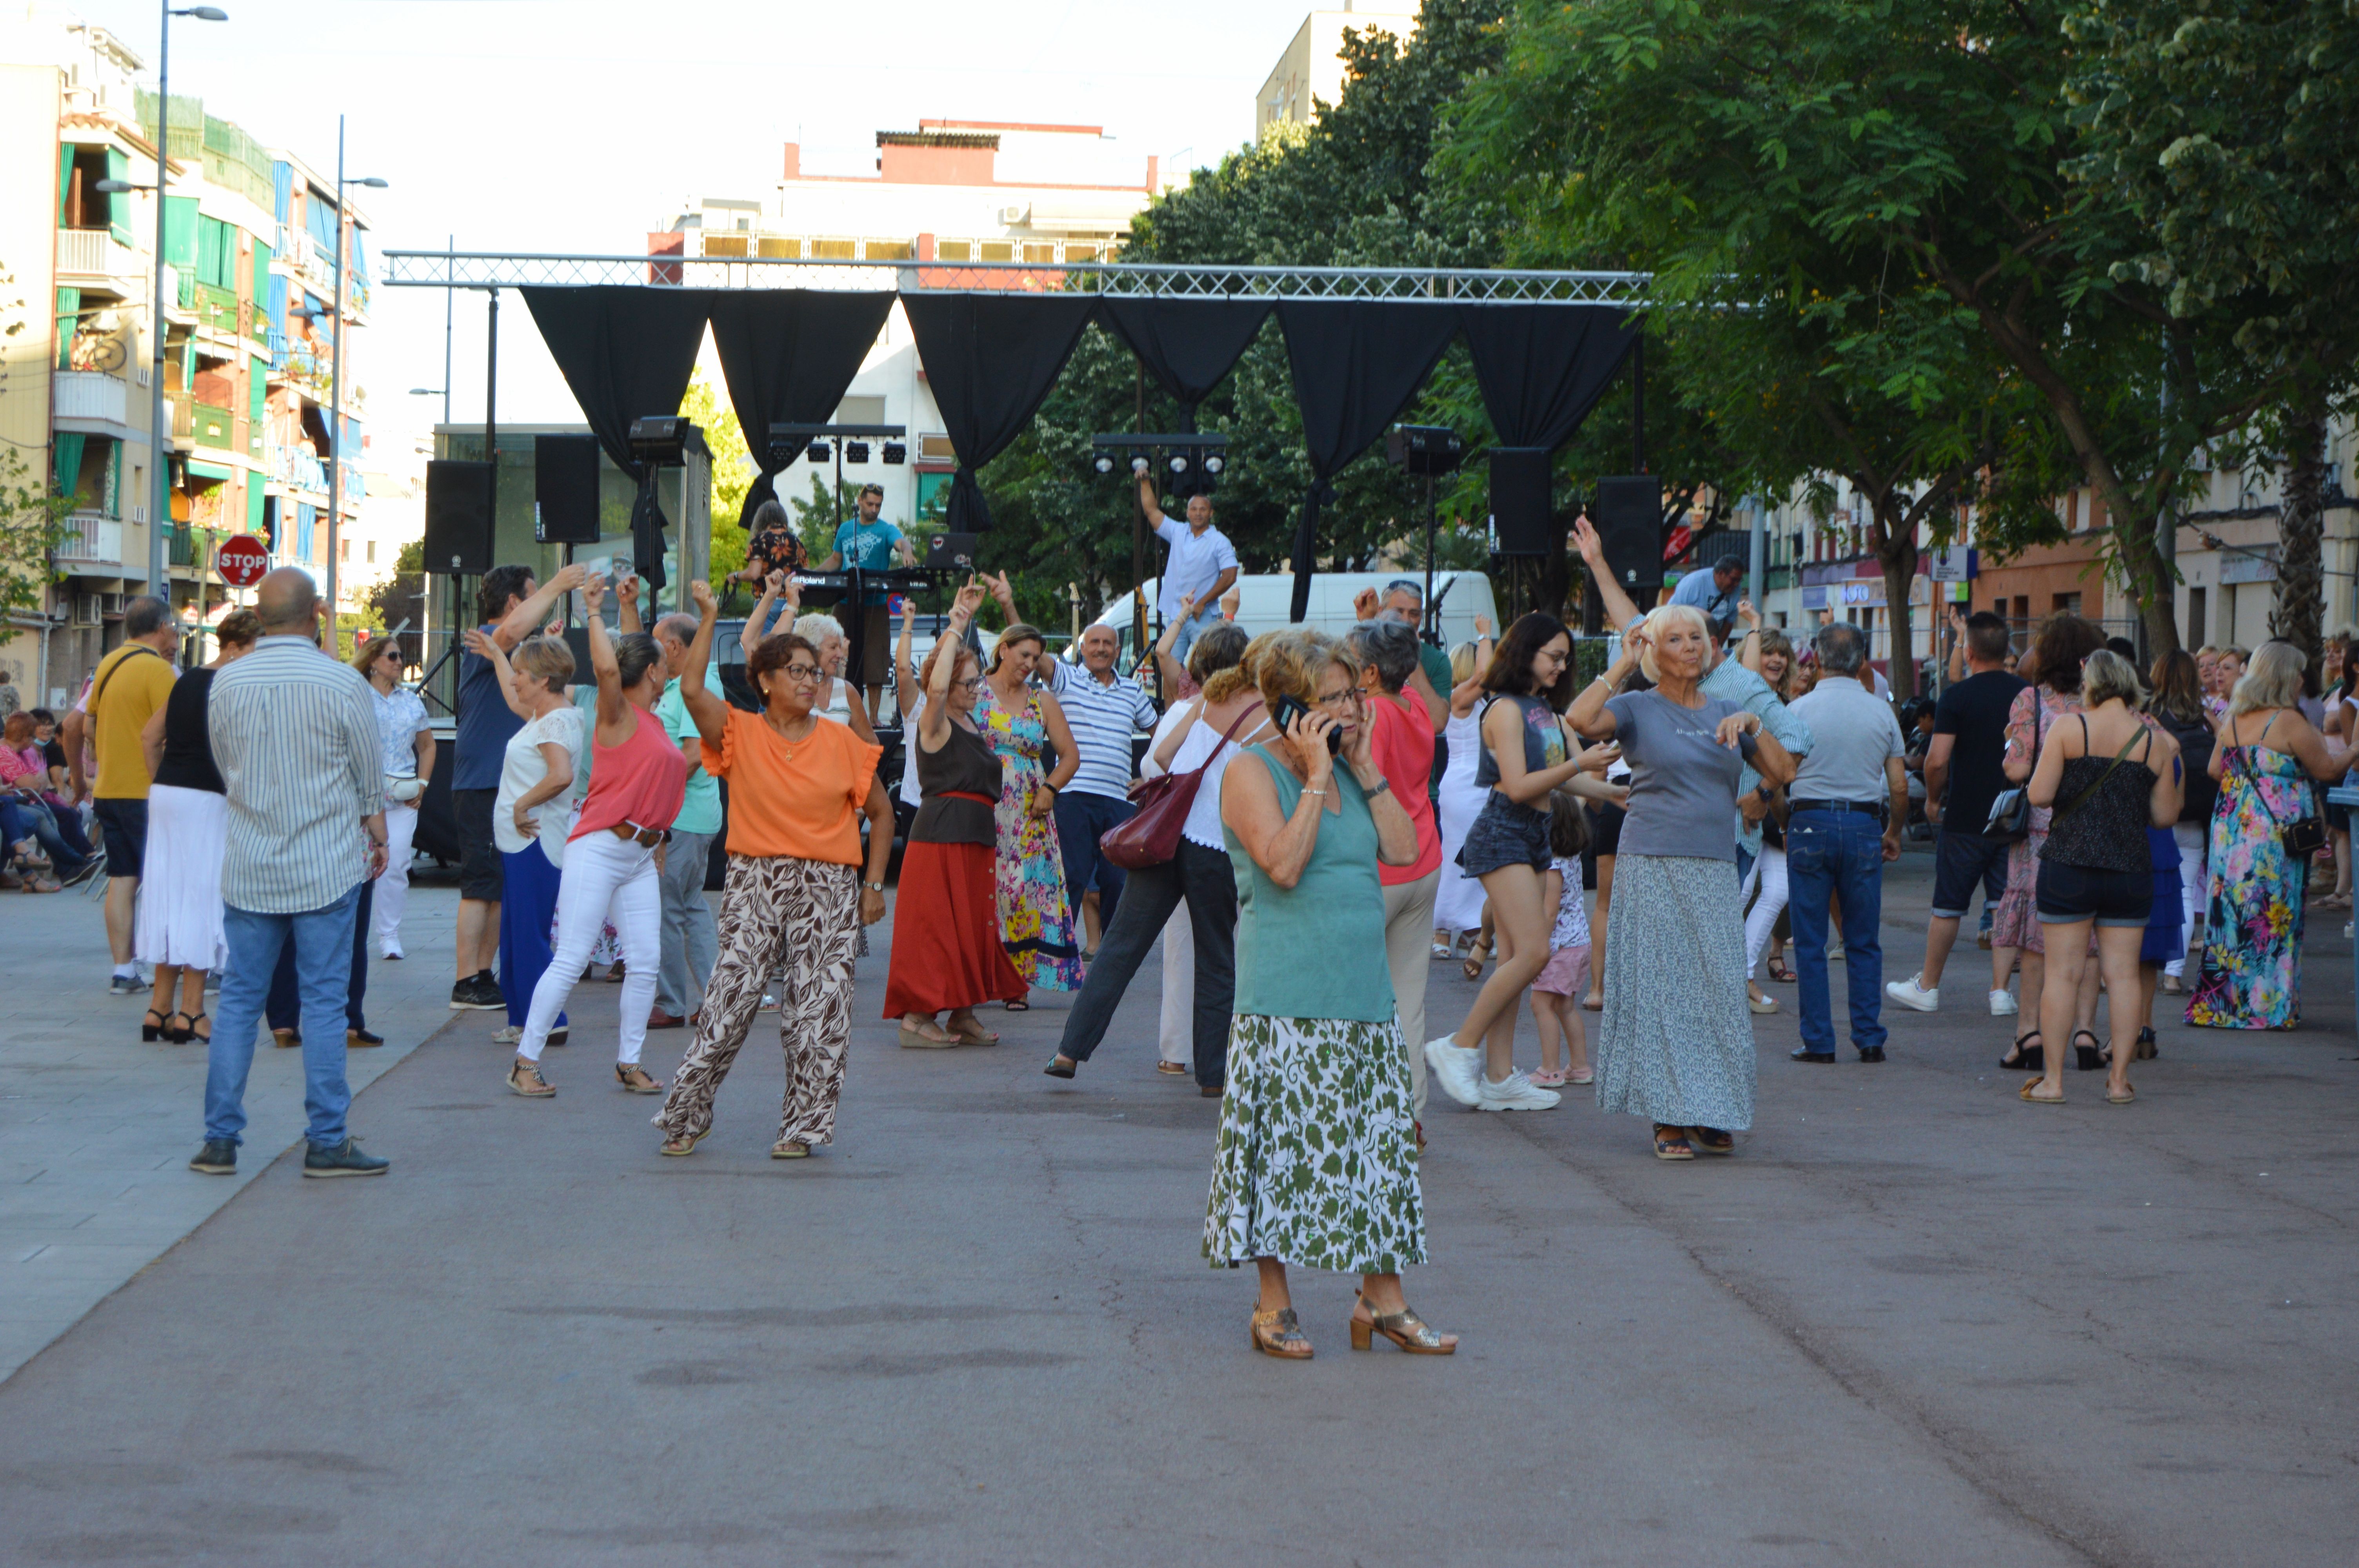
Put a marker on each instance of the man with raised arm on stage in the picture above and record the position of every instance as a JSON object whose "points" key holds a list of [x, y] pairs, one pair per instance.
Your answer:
{"points": [[1202, 564]]}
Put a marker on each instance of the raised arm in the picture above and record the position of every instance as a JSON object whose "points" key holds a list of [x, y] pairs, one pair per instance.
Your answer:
{"points": [[776, 585], [705, 707], [1956, 667], [1069, 756], [1619, 611], [525, 618], [611, 700], [488, 647], [1280, 843], [626, 601], [934, 724], [1165, 664], [1148, 501], [905, 673], [1466, 693]]}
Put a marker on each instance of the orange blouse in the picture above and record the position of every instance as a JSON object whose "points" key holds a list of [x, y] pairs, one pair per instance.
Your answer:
{"points": [[801, 799]]}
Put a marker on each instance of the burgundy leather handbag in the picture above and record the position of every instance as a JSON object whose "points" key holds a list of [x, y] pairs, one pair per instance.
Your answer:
{"points": [[1151, 837]]}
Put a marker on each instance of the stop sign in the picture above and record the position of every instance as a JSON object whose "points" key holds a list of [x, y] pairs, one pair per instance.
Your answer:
{"points": [[242, 560]]}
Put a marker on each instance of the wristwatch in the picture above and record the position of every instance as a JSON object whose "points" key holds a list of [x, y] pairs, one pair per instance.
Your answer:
{"points": [[874, 887], [1377, 788]]}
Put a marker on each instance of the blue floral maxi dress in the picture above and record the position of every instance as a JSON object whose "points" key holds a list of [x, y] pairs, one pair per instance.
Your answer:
{"points": [[2252, 921], [1035, 923]]}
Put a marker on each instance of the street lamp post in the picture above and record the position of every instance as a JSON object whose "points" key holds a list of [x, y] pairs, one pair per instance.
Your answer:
{"points": [[159, 429], [336, 383]]}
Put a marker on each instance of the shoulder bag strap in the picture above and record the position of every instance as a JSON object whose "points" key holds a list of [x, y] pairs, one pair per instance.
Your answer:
{"points": [[2119, 757], [138, 648], [2260, 790], [1226, 736]]}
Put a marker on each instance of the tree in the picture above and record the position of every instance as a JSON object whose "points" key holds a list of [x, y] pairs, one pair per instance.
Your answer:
{"points": [[402, 597], [33, 523], [733, 470], [2220, 126]]}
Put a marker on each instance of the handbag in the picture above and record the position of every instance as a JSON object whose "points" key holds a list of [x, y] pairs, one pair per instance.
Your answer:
{"points": [[2010, 812], [1151, 837], [2302, 837]]}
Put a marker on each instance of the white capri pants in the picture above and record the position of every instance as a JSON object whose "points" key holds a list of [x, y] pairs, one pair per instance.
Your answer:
{"points": [[2192, 847], [1770, 869], [393, 888], [605, 878], [1175, 1039]]}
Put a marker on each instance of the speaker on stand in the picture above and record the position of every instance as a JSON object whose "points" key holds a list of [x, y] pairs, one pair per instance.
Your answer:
{"points": [[458, 517], [565, 490]]}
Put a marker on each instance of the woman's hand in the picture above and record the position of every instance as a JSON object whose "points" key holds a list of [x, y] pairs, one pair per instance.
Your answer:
{"points": [[1635, 642], [1043, 802], [700, 595], [479, 642], [872, 905], [1309, 734], [1359, 753], [1586, 540], [909, 616], [1597, 759], [1734, 725], [628, 591], [523, 820], [1746, 613], [593, 594], [1481, 628], [1188, 602], [969, 600], [774, 582]]}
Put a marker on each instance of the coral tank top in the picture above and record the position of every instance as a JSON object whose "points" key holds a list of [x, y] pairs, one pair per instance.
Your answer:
{"points": [[643, 780]]}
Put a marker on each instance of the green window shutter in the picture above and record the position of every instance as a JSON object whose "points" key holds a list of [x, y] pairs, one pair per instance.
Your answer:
{"points": [[259, 404], [68, 313], [69, 449], [181, 232], [118, 208], [114, 506], [216, 253], [255, 520], [65, 178]]}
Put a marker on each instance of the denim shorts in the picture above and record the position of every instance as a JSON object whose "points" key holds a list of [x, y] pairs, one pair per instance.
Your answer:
{"points": [[2068, 894], [1959, 861], [1505, 834]]}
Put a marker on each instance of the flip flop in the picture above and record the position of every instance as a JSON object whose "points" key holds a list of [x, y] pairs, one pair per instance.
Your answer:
{"points": [[2025, 1094]]}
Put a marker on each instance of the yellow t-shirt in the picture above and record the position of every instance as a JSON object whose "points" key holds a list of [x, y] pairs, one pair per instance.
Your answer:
{"points": [[125, 698]]}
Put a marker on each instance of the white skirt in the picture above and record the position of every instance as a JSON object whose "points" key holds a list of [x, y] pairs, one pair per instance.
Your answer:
{"points": [[180, 879]]}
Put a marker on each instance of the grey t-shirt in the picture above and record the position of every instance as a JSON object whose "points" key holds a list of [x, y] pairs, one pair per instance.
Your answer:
{"points": [[1682, 781], [1853, 733]]}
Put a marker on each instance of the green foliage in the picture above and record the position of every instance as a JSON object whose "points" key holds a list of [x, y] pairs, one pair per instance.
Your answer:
{"points": [[733, 470], [32, 526]]}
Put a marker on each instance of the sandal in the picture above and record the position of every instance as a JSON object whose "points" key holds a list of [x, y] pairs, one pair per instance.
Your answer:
{"points": [[1404, 1328], [2092, 1057], [2026, 1095], [2023, 1059], [1016, 1005], [1172, 1069], [1547, 1078], [34, 883], [2146, 1050], [637, 1080], [1443, 950], [684, 1143], [1061, 1067], [1780, 972], [915, 1038], [1476, 956], [1581, 1075], [2127, 1096], [1712, 1141], [788, 1149], [524, 1078], [151, 1032], [194, 1019], [178, 1033], [1672, 1142], [1279, 1334], [972, 1032], [1762, 1003]]}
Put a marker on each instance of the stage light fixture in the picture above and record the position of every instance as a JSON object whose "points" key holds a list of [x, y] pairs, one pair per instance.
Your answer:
{"points": [[855, 452], [818, 452], [1214, 463], [1102, 464], [896, 452], [1177, 463], [664, 439], [1138, 464]]}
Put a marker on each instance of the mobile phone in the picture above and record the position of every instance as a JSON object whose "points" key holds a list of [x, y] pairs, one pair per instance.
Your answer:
{"points": [[1290, 708]]}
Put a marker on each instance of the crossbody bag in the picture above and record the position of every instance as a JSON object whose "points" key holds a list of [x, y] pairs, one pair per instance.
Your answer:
{"points": [[1151, 835], [2010, 812], [2303, 837]]}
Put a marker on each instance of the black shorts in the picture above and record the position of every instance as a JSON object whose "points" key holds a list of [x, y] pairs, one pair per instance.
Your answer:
{"points": [[1606, 827], [1959, 861], [1505, 834], [124, 821], [481, 869], [2068, 894]]}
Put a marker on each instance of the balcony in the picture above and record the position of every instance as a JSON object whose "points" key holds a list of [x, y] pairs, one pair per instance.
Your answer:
{"points": [[302, 471], [94, 541], [212, 427], [90, 395], [89, 258]]}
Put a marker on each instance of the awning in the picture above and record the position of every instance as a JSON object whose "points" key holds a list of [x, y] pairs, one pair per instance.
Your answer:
{"points": [[208, 471]]}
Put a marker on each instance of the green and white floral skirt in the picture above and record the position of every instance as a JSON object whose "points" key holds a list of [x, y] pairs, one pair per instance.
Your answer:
{"points": [[1317, 1160]]}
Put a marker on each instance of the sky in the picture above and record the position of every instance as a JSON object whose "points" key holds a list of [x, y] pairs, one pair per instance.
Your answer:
{"points": [[577, 125]]}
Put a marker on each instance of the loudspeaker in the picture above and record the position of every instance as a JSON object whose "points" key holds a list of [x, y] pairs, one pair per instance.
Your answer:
{"points": [[1424, 448], [565, 490], [1520, 508], [458, 517], [1630, 519]]}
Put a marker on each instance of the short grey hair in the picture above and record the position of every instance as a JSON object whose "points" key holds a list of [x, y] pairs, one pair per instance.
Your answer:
{"points": [[1842, 650], [2105, 674], [814, 626], [1736, 564], [679, 626], [1407, 585], [1390, 646], [145, 616], [2273, 678]]}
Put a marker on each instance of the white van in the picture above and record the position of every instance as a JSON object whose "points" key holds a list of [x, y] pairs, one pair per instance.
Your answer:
{"points": [[1263, 603]]}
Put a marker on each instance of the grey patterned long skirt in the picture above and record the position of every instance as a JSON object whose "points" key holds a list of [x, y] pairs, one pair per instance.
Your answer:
{"points": [[1317, 1160], [1675, 1043]]}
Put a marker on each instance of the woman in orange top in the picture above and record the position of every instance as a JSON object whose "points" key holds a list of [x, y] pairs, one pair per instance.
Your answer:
{"points": [[795, 899]]}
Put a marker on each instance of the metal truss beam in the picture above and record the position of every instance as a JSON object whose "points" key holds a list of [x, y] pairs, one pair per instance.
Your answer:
{"points": [[1124, 280]]}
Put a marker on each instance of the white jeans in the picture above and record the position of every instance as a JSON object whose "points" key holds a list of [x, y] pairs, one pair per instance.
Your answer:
{"points": [[2192, 847], [393, 888], [605, 878], [1175, 1038], [1770, 869]]}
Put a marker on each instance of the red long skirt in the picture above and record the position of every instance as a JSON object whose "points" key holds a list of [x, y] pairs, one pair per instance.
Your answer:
{"points": [[946, 948]]}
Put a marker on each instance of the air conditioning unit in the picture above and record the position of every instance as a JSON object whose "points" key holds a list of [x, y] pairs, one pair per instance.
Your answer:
{"points": [[1014, 214], [110, 604], [85, 609], [139, 515], [143, 376]]}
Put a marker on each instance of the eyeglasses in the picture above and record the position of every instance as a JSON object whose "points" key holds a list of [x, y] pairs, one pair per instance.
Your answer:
{"points": [[802, 672], [970, 684], [1350, 694]]}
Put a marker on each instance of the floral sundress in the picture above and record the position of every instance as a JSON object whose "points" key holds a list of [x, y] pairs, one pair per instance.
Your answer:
{"points": [[1036, 921], [2253, 917]]}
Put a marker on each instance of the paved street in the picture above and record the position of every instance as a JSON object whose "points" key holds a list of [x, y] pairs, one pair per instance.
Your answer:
{"points": [[1914, 1321]]}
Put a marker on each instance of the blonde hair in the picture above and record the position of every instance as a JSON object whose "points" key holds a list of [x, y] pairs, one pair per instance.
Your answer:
{"points": [[2272, 679], [1774, 640], [238, 629], [546, 659], [1244, 675], [1295, 660], [1461, 664], [1018, 633], [1657, 621], [2105, 674]]}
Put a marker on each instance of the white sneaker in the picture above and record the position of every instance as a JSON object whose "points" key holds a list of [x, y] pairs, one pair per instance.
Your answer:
{"points": [[1454, 1067], [769, 1003], [2002, 1004], [1516, 1093], [508, 1035], [1913, 993]]}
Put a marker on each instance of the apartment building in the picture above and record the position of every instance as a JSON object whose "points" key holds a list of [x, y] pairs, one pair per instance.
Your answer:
{"points": [[1311, 70], [249, 238], [950, 192]]}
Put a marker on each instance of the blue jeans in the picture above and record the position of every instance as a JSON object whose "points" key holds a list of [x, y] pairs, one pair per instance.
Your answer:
{"points": [[1207, 616], [284, 1010], [324, 958], [1829, 854], [1080, 819]]}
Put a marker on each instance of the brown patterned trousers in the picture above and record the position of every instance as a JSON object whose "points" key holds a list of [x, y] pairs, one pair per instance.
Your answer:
{"points": [[776, 913]]}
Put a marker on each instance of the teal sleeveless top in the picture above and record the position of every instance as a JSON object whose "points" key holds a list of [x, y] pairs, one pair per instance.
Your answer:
{"points": [[1315, 949]]}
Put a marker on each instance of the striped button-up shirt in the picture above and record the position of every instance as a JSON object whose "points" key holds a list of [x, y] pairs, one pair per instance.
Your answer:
{"points": [[1103, 715], [294, 734]]}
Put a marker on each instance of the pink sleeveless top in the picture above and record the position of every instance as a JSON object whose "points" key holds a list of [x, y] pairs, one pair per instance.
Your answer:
{"points": [[643, 781]]}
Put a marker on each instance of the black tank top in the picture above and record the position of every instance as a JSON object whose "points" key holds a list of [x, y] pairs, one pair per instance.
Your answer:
{"points": [[2107, 831], [968, 764], [188, 759]]}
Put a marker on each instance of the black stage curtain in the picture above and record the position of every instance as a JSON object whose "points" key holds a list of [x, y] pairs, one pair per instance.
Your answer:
{"points": [[990, 359], [1542, 368], [1187, 345], [1356, 363], [627, 354], [788, 355]]}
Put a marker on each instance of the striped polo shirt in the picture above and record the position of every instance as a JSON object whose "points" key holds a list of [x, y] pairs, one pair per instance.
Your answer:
{"points": [[294, 734], [1102, 717]]}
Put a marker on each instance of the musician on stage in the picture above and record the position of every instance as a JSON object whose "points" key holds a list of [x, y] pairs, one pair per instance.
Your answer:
{"points": [[773, 547], [872, 545]]}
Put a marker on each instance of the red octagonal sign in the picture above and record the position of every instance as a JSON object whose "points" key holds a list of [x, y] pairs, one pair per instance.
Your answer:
{"points": [[242, 560]]}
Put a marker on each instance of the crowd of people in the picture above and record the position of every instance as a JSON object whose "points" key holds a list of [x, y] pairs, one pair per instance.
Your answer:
{"points": [[1335, 815]]}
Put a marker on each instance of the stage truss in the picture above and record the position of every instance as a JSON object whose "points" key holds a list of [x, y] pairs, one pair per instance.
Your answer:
{"points": [[1117, 280]]}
